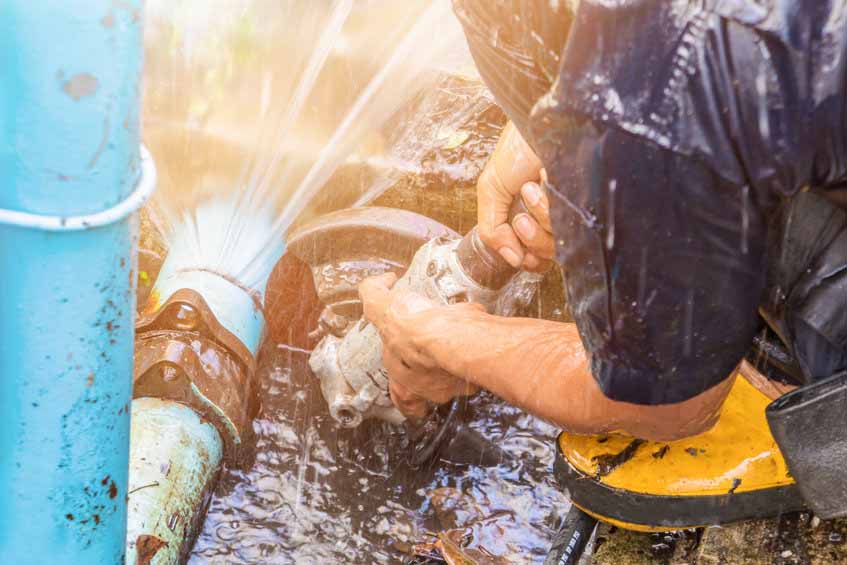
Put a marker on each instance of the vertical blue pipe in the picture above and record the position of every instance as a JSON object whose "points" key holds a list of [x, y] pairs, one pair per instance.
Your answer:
{"points": [[69, 138]]}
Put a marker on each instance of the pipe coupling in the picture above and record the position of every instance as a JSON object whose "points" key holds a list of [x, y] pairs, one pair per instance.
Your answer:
{"points": [[183, 353]]}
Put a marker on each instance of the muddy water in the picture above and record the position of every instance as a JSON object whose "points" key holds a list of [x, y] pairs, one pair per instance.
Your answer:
{"points": [[317, 494]]}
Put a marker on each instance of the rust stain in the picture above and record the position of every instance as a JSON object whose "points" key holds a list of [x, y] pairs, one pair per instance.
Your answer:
{"points": [[113, 490], [108, 20], [89, 381], [81, 85], [146, 548]]}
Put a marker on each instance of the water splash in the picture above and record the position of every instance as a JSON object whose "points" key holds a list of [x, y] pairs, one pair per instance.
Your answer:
{"points": [[250, 107], [383, 96], [358, 502]]}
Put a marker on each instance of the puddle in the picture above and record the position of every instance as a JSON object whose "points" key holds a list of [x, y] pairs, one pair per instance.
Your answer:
{"points": [[320, 494]]}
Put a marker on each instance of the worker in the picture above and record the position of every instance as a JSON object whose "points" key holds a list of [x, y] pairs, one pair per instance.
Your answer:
{"points": [[682, 162]]}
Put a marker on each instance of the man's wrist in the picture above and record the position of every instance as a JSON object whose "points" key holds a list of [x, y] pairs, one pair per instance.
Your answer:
{"points": [[449, 334]]}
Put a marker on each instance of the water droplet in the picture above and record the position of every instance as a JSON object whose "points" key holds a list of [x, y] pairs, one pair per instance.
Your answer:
{"points": [[610, 221]]}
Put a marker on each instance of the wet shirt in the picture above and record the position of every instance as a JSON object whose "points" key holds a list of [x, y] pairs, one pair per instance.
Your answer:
{"points": [[672, 134]]}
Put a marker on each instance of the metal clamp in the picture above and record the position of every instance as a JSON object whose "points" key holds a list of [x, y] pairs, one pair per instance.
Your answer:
{"points": [[143, 190]]}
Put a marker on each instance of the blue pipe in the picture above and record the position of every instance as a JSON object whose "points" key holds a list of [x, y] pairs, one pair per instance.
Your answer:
{"points": [[69, 139]]}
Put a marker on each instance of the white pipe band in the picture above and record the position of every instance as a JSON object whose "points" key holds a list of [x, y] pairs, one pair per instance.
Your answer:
{"points": [[143, 190]]}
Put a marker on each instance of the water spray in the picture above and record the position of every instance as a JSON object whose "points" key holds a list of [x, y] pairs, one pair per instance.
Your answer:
{"points": [[196, 345]]}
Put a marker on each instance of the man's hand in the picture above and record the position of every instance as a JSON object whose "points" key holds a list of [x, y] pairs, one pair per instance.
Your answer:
{"points": [[403, 320], [512, 169]]}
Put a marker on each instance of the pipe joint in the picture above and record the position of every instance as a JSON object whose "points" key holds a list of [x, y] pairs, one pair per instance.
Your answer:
{"points": [[184, 354]]}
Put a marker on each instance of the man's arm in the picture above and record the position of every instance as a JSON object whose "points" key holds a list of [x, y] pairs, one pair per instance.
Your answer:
{"points": [[537, 365], [662, 284]]}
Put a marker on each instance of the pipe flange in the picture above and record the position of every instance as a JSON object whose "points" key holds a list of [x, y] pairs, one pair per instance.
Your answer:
{"points": [[196, 371], [183, 353], [187, 310]]}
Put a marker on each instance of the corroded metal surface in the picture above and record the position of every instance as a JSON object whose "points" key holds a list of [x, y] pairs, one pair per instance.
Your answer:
{"points": [[175, 459], [183, 353], [187, 310], [198, 372], [235, 308]]}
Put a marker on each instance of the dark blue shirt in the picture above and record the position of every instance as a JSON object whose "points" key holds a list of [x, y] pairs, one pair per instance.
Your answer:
{"points": [[672, 133]]}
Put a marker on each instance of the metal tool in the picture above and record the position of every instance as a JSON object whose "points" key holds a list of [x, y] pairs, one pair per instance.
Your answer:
{"points": [[447, 270]]}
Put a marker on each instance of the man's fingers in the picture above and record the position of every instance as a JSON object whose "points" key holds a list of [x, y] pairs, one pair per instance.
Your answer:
{"points": [[512, 164], [535, 238], [407, 400], [375, 293], [534, 229], [410, 404], [506, 243], [494, 200], [533, 264], [535, 198]]}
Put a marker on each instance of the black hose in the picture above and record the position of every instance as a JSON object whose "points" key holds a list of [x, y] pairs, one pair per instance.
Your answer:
{"points": [[426, 438], [569, 542]]}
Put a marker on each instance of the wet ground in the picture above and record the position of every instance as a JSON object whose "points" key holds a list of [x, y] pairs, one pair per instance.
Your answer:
{"points": [[318, 494]]}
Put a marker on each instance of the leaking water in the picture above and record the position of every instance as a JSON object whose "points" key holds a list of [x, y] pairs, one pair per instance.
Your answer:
{"points": [[251, 106], [321, 494]]}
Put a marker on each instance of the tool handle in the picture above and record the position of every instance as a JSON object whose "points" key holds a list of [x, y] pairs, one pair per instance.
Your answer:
{"points": [[485, 265]]}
